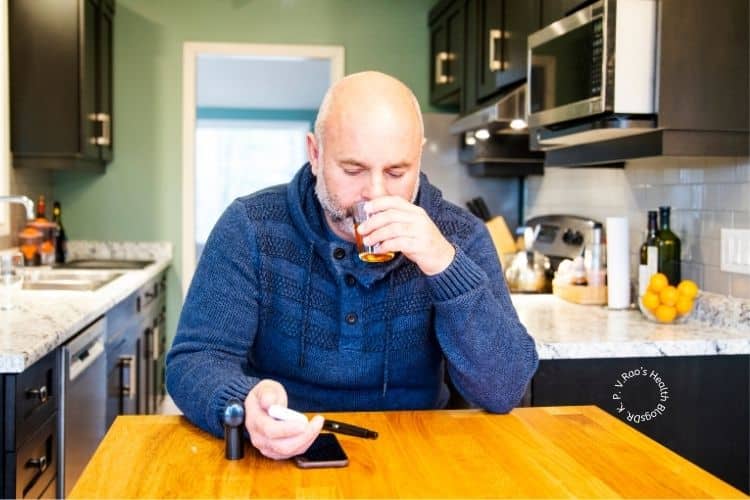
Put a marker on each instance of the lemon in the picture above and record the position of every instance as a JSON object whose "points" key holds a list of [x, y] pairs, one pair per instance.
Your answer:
{"points": [[650, 300], [658, 282], [684, 305], [688, 288], [665, 314], [668, 296]]}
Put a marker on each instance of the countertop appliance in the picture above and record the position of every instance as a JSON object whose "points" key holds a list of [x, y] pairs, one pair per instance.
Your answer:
{"points": [[592, 74], [549, 239], [562, 237], [84, 376]]}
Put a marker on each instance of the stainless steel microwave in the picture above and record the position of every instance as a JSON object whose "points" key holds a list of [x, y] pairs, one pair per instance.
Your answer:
{"points": [[597, 61]]}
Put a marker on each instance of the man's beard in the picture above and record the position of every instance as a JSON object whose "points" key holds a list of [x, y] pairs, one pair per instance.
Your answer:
{"points": [[340, 216]]}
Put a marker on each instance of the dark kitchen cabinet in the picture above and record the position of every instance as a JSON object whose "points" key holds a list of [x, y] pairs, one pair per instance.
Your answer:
{"points": [[502, 29], [122, 376], [487, 33], [29, 429], [447, 32], [478, 47], [554, 10], [60, 53], [697, 406], [136, 346], [159, 357]]}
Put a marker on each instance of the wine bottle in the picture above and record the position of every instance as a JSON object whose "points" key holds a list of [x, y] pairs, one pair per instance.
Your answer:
{"points": [[649, 254], [669, 248], [61, 240]]}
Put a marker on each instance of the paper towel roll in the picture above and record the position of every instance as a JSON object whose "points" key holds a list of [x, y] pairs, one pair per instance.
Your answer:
{"points": [[618, 263]]}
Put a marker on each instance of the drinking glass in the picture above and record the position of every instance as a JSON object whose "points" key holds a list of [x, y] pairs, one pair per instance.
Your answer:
{"points": [[367, 253], [11, 278]]}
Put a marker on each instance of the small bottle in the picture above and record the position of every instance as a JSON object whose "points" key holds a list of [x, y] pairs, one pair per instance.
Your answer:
{"points": [[41, 209], [649, 264], [61, 239], [669, 249]]}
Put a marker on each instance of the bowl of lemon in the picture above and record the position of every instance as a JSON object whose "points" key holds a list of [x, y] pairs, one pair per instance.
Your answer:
{"points": [[665, 303]]}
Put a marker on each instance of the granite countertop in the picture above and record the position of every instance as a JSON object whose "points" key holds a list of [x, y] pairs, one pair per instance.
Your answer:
{"points": [[45, 319], [719, 326]]}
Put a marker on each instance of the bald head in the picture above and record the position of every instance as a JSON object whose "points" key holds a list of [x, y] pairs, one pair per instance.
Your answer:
{"points": [[370, 97], [367, 144]]}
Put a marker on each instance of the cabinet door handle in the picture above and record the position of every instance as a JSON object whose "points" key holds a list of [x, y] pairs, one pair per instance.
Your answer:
{"points": [[442, 78], [37, 463], [94, 117], [106, 137], [130, 389], [40, 393], [155, 344], [494, 63]]}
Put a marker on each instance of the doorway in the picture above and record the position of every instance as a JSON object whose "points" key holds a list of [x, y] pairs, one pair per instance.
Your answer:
{"points": [[246, 111]]}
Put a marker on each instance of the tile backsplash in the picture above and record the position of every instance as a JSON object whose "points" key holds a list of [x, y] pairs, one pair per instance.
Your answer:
{"points": [[440, 163], [30, 182], [706, 194]]}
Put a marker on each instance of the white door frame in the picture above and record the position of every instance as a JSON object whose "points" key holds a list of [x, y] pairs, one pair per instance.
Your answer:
{"points": [[5, 157], [190, 53]]}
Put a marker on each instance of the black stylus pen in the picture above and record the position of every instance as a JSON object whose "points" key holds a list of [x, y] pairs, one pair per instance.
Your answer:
{"points": [[284, 413], [349, 429]]}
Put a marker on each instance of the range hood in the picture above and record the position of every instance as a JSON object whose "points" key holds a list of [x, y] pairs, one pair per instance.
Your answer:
{"points": [[506, 115], [494, 141]]}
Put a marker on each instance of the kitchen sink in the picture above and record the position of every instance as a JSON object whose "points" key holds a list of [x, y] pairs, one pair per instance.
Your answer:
{"points": [[104, 264], [81, 280]]}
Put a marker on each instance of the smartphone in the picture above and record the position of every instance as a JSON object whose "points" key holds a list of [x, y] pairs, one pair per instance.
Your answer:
{"points": [[324, 452]]}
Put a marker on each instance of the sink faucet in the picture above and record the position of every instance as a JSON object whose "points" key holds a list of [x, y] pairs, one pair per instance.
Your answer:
{"points": [[22, 200]]}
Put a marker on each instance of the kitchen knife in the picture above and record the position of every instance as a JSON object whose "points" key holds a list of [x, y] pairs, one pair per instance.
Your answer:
{"points": [[483, 209], [472, 208]]}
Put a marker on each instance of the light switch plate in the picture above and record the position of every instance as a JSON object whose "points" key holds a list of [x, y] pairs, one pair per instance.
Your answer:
{"points": [[735, 250]]}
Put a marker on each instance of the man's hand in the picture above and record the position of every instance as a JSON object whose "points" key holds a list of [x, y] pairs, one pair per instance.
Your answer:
{"points": [[400, 226], [273, 438]]}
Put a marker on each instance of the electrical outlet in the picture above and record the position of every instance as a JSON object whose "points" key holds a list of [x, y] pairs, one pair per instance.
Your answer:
{"points": [[735, 250]]}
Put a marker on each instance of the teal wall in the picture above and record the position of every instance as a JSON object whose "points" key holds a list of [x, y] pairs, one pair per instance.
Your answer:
{"points": [[297, 115], [139, 196]]}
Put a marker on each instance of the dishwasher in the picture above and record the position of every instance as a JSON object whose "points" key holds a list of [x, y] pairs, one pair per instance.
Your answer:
{"points": [[84, 401]]}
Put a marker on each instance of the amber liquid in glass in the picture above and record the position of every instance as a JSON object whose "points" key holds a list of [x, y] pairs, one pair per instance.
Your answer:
{"points": [[368, 253]]}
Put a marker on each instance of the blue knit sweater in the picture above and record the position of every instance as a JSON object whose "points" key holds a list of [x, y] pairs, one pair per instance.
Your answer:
{"points": [[277, 295]]}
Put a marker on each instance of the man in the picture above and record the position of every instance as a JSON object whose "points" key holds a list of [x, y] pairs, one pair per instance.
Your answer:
{"points": [[282, 311]]}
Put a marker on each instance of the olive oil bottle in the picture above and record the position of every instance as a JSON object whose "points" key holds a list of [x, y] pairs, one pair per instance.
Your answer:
{"points": [[649, 253], [669, 248]]}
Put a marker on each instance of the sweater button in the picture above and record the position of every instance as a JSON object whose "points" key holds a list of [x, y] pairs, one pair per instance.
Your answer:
{"points": [[350, 280], [339, 253], [351, 318]]}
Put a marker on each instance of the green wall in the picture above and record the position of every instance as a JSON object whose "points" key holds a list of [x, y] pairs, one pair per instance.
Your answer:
{"points": [[139, 197]]}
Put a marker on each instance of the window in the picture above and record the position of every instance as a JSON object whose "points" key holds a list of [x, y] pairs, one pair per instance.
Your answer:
{"points": [[238, 157]]}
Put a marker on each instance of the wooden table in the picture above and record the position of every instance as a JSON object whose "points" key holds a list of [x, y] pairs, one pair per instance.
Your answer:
{"points": [[532, 452]]}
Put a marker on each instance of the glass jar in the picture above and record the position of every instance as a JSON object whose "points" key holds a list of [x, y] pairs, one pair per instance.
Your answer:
{"points": [[30, 241], [48, 231]]}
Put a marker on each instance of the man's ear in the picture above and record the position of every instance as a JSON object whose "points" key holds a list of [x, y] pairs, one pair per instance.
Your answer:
{"points": [[313, 152]]}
